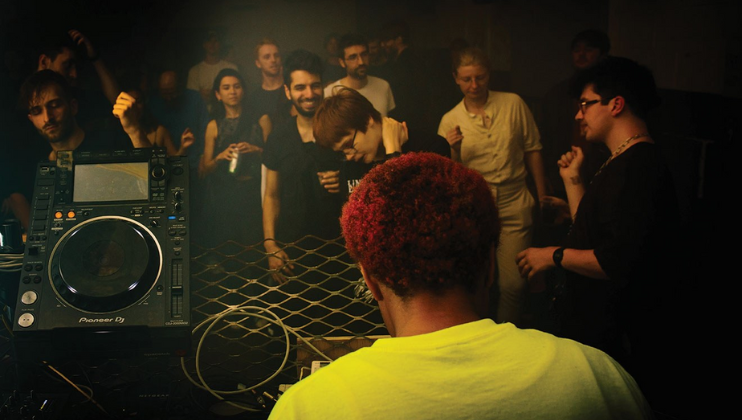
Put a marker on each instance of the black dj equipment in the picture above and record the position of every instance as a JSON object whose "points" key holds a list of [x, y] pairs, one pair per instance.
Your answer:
{"points": [[106, 265]]}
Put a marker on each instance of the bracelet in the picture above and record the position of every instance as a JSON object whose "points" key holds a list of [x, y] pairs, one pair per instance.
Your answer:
{"points": [[558, 256]]}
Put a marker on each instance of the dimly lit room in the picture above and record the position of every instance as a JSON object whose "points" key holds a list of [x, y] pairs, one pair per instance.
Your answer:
{"points": [[243, 209]]}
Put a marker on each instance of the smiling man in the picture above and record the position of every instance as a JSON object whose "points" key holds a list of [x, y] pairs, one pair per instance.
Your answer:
{"points": [[301, 187], [355, 60]]}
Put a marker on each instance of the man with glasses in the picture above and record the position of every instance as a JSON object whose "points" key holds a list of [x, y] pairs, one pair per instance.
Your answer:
{"points": [[618, 256], [347, 122], [559, 130], [355, 60]]}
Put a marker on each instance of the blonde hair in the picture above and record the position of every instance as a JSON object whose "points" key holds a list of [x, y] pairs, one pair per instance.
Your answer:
{"points": [[471, 56], [264, 41]]}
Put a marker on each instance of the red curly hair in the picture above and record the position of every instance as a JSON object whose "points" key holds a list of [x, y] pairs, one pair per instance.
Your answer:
{"points": [[421, 222]]}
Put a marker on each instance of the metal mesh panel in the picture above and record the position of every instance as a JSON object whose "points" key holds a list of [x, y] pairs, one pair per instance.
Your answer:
{"points": [[318, 301]]}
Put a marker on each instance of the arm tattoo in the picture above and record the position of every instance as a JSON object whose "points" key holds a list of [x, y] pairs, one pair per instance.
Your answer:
{"points": [[575, 180]]}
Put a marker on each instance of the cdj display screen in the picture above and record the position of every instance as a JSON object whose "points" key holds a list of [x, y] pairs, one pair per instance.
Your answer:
{"points": [[111, 182]]}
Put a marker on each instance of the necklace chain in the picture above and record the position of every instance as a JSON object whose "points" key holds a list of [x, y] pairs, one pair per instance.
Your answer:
{"points": [[619, 149]]}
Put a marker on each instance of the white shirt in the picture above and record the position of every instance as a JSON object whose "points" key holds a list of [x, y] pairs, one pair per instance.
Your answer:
{"points": [[377, 91]]}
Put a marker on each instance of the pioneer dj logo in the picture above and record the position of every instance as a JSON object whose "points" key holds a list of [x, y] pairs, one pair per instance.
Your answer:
{"points": [[117, 320]]}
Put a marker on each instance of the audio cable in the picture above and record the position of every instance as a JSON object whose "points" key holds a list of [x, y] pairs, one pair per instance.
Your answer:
{"points": [[246, 311]]}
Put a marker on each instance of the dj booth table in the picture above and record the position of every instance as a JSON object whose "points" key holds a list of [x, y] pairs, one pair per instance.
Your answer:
{"points": [[116, 311], [241, 349]]}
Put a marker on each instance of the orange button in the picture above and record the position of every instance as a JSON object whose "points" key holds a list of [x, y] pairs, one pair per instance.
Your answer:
{"points": [[70, 214], [58, 215]]}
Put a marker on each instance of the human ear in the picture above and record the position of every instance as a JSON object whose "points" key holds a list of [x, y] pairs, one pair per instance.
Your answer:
{"points": [[44, 62], [619, 104], [372, 284]]}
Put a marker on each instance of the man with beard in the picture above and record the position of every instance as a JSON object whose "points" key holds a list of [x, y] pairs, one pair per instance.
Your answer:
{"points": [[52, 108], [355, 60], [269, 98], [302, 180]]}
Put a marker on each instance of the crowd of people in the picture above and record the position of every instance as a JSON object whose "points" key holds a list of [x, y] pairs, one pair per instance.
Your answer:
{"points": [[275, 163]]}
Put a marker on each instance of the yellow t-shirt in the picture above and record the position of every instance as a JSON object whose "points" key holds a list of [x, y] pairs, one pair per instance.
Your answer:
{"points": [[479, 370]]}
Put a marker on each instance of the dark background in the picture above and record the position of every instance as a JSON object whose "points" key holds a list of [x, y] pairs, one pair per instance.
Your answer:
{"points": [[693, 47]]}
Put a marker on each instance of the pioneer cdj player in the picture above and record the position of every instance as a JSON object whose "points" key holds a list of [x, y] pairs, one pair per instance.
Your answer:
{"points": [[106, 264]]}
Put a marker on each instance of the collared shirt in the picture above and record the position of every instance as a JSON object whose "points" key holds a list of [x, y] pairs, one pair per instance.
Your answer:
{"points": [[494, 144]]}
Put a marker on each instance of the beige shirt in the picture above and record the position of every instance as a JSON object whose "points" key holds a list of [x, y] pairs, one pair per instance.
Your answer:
{"points": [[495, 145]]}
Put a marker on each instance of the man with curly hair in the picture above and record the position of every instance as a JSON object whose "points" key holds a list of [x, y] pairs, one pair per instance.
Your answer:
{"points": [[424, 231]]}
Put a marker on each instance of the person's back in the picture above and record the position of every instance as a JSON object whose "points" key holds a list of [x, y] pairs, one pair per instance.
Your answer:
{"points": [[424, 231], [478, 370]]}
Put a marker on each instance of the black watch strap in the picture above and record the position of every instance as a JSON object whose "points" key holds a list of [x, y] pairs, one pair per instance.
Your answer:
{"points": [[558, 256]]}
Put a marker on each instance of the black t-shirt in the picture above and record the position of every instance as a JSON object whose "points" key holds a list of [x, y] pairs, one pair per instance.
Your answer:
{"points": [[306, 207], [629, 216], [352, 172], [105, 140], [269, 102], [94, 110]]}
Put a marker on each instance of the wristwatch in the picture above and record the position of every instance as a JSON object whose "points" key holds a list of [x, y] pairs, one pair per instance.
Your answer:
{"points": [[558, 256]]}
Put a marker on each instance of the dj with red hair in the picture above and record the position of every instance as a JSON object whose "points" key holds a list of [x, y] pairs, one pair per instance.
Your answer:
{"points": [[424, 231]]}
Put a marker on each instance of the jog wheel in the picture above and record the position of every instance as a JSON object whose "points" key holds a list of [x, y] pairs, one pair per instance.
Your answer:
{"points": [[105, 264]]}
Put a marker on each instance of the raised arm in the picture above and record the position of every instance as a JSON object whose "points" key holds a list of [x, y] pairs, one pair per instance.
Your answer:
{"points": [[107, 81], [569, 170], [186, 141], [124, 110], [393, 135]]}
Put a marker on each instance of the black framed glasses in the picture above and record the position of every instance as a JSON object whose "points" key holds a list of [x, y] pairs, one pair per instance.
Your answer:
{"points": [[585, 104], [350, 150]]}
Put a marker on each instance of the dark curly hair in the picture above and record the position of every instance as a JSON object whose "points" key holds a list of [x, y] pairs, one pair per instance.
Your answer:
{"points": [[421, 222], [619, 76], [301, 60]]}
